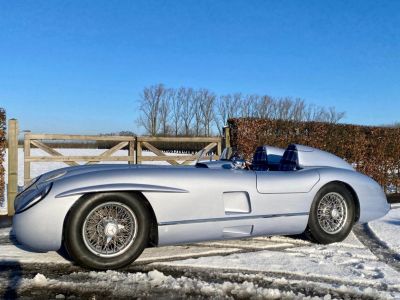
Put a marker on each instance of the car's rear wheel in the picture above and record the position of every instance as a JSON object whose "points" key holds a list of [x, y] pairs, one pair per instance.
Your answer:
{"points": [[107, 230], [332, 214]]}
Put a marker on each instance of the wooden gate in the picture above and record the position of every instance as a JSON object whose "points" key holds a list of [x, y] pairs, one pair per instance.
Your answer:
{"points": [[55, 156], [214, 143], [138, 143]]}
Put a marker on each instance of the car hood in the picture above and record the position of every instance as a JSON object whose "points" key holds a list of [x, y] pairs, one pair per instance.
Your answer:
{"points": [[86, 169]]}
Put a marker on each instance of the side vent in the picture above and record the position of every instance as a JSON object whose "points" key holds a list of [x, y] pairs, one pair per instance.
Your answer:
{"points": [[238, 231], [236, 203]]}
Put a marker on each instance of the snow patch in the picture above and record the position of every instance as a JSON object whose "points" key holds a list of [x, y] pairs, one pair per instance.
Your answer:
{"points": [[157, 283], [304, 262], [387, 229], [40, 280]]}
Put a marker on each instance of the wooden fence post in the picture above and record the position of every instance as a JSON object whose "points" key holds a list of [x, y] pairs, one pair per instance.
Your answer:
{"points": [[131, 151], [219, 148], [227, 136], [138, 151], [27, 153], [12, 190]]}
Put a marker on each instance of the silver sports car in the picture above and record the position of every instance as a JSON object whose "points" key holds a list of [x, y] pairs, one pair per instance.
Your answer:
{"points": [[104, 216]]}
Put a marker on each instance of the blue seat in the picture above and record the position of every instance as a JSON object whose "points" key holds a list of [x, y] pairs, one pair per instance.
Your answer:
{"points": [[260, 159], [290, 159]]}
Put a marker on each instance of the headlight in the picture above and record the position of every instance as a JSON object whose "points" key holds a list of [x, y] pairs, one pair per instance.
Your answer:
{"points": [[30, 183], [31, 198]]}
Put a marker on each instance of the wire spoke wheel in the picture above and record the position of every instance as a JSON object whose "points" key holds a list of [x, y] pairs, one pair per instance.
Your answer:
{"points": [[332, 213], [109, 229]]}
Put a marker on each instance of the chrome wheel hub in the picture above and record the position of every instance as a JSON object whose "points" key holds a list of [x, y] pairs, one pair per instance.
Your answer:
{"points": [[332, 213], [335, 213], [109, 229]]}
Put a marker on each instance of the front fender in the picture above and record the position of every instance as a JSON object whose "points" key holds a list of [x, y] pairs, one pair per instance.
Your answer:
{"points": [[40, 227]]}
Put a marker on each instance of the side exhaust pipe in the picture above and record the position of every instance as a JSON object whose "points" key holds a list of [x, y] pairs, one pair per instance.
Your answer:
{"points": [[394, 205]]}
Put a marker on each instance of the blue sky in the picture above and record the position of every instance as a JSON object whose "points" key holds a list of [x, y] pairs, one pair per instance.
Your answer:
{"points": [[79, 66]]}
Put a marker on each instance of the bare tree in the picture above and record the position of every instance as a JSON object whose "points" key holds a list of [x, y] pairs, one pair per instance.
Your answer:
{"points": [[264, 107], [224, 111], [298, 110], [187, 98], [206, 101], [249, 106], [197, 113], [333, 116], [149, 106], [228, 106], [309, 112], [176, 111], [315, 113], [283, 106], [221, 115], [187, 111], [165, 111], [321, 114]]}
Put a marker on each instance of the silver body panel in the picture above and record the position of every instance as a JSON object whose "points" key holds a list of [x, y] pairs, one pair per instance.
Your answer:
{"points": [[311, 157], [197, 204]]}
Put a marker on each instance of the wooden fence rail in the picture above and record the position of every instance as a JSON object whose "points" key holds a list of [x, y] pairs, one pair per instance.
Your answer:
{"points": [[133, 143], [146, 142], [55, 156]]}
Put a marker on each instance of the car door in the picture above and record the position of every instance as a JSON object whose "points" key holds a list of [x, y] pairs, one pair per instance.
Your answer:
{"points": [[286, 182]]}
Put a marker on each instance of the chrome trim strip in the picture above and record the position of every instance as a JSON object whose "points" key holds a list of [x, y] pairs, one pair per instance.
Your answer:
{"points": [[120, 187], [231, 219], [394, 205]]}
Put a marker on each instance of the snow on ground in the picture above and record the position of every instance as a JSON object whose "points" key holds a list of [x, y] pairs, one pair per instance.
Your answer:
{"points": [[340, 270], [336, 262], [132, 284], [387, 229]]}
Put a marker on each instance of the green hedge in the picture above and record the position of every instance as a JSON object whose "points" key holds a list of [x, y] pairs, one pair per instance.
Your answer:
{"points": [[2, 149], [375, 151]]}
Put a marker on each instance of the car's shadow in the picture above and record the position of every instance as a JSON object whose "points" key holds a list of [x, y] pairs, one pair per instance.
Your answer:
{"points": [[393, 222], [11, 271]]}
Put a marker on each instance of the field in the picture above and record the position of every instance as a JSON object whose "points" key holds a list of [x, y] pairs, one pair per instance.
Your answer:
{"points": [[365, 266]]}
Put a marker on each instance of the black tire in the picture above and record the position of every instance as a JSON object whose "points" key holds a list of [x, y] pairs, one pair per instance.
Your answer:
{"points": [[78, 247], [317, 227], [64, 253]]}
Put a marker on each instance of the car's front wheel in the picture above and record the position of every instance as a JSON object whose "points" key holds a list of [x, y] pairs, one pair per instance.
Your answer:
{"points": [[332, 214], [106, 230]]}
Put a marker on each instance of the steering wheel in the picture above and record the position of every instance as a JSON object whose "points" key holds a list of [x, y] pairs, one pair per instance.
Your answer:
{"points": [[240, 163]]}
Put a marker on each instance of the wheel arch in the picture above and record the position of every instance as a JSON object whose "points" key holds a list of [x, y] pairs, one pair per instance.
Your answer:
{"points": [[353, 193], [153, 236], [314, 231]]}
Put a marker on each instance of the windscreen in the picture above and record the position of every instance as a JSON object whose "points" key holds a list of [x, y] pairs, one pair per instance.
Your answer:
{"points": [[229, 153]]}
